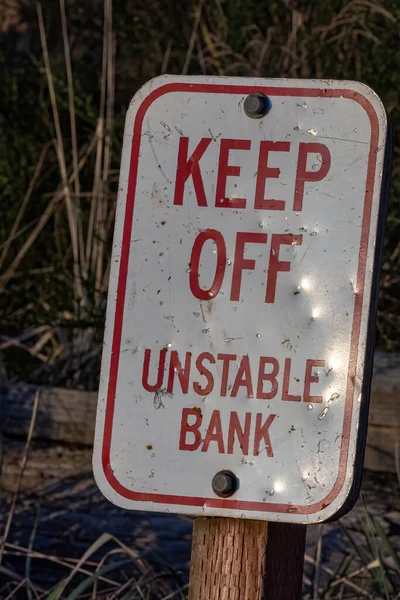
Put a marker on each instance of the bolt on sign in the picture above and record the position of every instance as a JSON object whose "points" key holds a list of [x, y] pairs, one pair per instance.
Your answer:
{"points": [[237, 353]]}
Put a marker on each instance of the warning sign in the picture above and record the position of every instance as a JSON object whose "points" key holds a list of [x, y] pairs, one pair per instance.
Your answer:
{"points": [[237, 348]]}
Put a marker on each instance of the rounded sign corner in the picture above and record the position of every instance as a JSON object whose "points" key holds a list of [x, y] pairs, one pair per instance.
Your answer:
{"points": [[148, 91], [365, 90], [100, 476]]}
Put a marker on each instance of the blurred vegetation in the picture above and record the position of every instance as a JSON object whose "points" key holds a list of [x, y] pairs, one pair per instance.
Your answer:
{"points": [[56, 227]]}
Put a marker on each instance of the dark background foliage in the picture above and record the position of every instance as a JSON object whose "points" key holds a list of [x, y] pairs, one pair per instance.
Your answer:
{"points": [[49, 331]]}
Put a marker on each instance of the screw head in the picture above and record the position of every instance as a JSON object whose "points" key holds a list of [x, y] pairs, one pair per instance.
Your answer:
{"points": [[256, 105], [225, 484]]}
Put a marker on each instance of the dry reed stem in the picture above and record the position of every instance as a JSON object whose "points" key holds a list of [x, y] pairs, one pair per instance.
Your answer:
{"points": [[127, 585], [350, 584], [71, 99], [61, 158], [97, 544], [97, 191], [372, 565], [10, 573], [23, 229], [13, 592], [24, 204], [345, 580], [21, 551], [46, 337], [31, 239], [43, 220], [180, 590], [33, 588], [215, 56], [109, 113], [111, 48], [317, 567], [100, 565], [263, 53], [167, 54], [26, 335], [21, 474], [74, 143], [193, 37]]}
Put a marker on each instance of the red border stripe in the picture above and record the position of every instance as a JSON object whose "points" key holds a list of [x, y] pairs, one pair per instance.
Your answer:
{"points": [[122, 277]]}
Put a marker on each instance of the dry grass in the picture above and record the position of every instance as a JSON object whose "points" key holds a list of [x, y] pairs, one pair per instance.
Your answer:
{"points": [[120, 573], [21, 474], [368, 566], [88, 231], [82, 212], [108, 569]]}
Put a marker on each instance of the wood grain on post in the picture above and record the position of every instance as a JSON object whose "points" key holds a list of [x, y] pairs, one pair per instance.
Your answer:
{"points": [[230, 560]]}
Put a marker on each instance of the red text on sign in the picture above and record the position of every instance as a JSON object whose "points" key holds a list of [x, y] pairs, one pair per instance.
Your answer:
{"points": [[188, 166], [232, 375], [240, 263], [251, 434]]}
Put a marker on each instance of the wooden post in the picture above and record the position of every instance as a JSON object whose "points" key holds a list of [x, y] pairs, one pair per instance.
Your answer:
{"points": [[239, 559], [285, 560]]}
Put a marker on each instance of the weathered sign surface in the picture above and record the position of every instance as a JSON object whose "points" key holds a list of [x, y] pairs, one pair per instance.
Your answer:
{"points": [[241, 298]]}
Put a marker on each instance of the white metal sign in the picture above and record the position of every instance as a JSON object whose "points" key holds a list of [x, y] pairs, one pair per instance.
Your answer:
{"points": [[240, 294]]}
